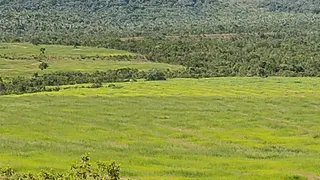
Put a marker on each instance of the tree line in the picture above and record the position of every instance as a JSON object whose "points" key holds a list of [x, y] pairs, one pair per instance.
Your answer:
{"points": [[263, 54], [52, 81]]}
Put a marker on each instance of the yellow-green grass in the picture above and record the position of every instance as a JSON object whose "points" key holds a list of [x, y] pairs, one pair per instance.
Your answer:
{"points": [[218, 128], [29, 67], [26, 49]]}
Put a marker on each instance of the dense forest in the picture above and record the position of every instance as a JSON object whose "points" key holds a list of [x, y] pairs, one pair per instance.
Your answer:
{"points": [[312, 6], [260, 55], [53, 21]]}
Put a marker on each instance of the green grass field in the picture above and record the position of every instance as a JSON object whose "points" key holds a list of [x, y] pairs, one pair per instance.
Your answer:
{"points": [[29, 67], [62, 58], [218, 128], [25, 49]]}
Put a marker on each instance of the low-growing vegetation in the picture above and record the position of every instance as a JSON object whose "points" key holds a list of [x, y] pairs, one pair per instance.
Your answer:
{"points": [[81, 170], [37, 83]]}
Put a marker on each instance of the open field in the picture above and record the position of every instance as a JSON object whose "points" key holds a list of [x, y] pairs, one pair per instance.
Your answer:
{"points": [[224, 128], [65, 58], [29, 67], [26, 49]]}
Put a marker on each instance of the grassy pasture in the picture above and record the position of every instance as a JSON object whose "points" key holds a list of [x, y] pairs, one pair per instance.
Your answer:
{"points": [[26, 49], [224, 128], [59, 59], [29, 67]]}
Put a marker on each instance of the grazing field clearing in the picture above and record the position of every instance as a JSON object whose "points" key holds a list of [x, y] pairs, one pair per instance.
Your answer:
{"points": [[29, 67], [25, 49], [66, 59], [224, 128]]}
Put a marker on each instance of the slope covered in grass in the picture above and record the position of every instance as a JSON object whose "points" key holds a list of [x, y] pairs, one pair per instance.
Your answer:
{"points": [[26, 49], [27, 68], [225, 128], [22, 59]]}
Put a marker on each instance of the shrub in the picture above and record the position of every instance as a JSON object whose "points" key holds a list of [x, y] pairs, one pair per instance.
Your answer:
{"points": [[111, 86], [96, 85], [155, 75], [43, 50], [80, 170], [43, 66]]}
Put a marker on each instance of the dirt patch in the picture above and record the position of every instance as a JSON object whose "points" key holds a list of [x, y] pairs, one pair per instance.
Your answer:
{"points": [[309, 176]]}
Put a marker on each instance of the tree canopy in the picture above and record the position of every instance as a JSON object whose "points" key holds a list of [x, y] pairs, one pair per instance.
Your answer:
{"points": [[53, 21]]}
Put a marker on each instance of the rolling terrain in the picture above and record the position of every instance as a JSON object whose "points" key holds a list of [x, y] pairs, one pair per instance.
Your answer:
{"points": [[22, 59], [205, 128], [174, 89], [85, 22], [225, 128]]}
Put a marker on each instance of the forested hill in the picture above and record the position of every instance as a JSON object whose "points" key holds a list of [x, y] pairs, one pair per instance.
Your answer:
{"points": [[312, 6], [55, 20]]}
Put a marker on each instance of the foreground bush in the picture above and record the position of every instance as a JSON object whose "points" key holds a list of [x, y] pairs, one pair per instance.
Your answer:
{"points": [[80, 170]]}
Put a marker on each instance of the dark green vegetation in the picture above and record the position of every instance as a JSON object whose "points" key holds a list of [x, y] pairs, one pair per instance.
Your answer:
{"points": [[81, 170], [275, 54], [77, 22], [311, 6], [20, 85]]}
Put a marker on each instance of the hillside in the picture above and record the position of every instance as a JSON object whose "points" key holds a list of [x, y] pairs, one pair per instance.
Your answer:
{"points": [[167, 89], [248, 37], [54, 20], [23, 59], [311, 6], [219, 128]]}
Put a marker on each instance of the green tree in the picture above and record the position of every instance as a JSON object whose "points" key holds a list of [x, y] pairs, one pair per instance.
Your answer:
{"points": [[43, 50], [43, 66], [2, 86]]}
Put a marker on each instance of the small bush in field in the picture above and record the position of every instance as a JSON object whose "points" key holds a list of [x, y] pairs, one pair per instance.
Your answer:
{"points": [[43, 66], [155, 75], [96, 85]]}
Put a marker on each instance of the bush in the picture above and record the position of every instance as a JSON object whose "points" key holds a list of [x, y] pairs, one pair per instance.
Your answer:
{"points": [[43, 66], [155, 75], [96, 85], [80, 170]]}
